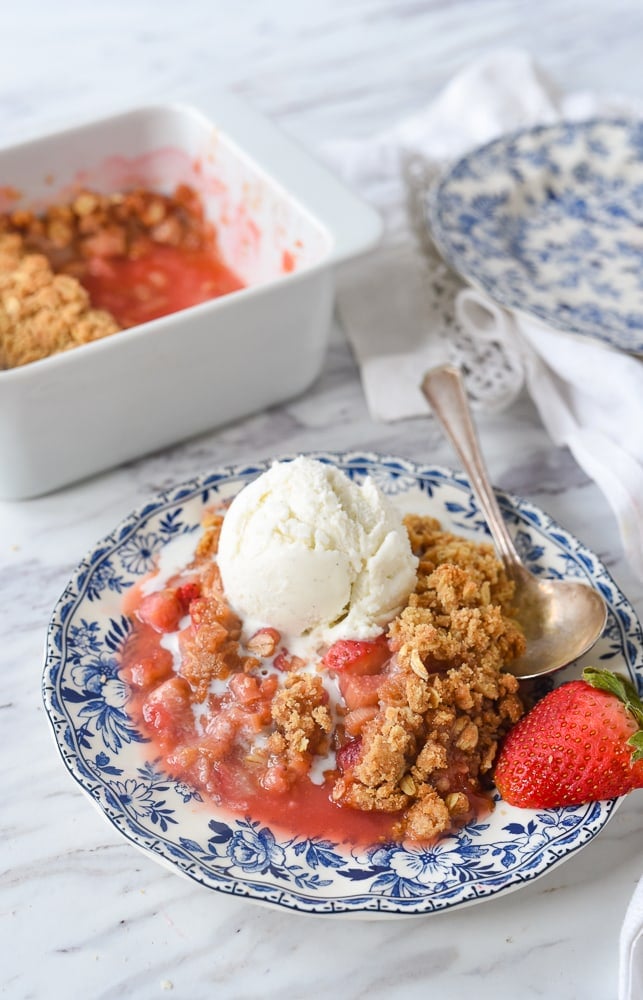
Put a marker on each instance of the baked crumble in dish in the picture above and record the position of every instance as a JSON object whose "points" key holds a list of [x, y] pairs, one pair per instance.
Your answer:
{"points": [[86, 268], [362, 740]]}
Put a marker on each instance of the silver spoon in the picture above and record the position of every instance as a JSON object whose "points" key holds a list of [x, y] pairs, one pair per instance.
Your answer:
{"points": [[561, 619]]}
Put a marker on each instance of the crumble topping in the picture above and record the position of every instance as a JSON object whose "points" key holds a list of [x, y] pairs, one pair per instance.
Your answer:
{"points": [[414, 737], [123, 224], [213, 650], [447, 702], [300, 712], [42, 313]]}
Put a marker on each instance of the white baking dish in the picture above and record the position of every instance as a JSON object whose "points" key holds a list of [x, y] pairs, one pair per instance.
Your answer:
{"points": [[274, 207]]}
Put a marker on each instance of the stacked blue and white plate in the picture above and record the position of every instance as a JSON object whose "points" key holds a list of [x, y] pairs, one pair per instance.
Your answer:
{"points": [[549, 221]]}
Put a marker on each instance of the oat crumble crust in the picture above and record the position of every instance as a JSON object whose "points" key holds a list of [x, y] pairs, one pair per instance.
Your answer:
{"points": [[301, 715], [122, 223], [42, 313], [214, 650], [446, 706]]}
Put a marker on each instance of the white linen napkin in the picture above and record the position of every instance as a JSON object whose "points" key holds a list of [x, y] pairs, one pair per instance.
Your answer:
{"points": [[398, 305], [590, 398], [630, 979]]}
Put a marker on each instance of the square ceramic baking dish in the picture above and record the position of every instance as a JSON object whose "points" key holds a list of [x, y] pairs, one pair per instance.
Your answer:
{"points": [[283, 224]]}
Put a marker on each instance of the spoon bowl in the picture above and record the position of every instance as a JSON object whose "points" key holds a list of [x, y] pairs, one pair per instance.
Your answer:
{"points": [[561, 619]]}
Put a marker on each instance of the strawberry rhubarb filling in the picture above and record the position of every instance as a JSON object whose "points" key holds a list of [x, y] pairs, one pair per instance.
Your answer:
{"points": [[85, 269], [392, 735]]}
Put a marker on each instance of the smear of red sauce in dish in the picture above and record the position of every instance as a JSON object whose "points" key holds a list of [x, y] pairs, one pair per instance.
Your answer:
{"points": [[287, 262], [163, 281]]}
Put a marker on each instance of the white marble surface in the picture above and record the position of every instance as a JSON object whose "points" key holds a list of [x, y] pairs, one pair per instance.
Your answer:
{"points": [[82, 912]]}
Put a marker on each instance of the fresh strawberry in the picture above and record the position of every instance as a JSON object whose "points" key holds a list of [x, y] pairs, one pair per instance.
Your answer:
{"points": [[581, 743], [358, 657]]}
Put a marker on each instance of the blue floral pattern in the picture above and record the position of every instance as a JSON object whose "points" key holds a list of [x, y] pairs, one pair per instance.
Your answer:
{"points": [[548, 221], [86, 700]]}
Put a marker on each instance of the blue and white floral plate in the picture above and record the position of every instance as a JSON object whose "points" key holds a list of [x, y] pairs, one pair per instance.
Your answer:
{"points": [[549, 221], [86, 701]]}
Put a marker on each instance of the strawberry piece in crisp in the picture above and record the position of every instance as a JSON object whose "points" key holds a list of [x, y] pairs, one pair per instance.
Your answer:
{"points": [[348, 755], [168, 710], [286, 663], [360, 690], [150, 669], [356, 719], [582, 743], [161, 609], [358, 657], [187, 593]]}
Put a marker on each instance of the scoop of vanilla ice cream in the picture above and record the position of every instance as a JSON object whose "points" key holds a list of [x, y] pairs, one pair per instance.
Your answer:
{"points": [[307, 551]]}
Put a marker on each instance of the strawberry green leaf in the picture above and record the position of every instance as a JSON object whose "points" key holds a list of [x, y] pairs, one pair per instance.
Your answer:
{"points": [[636, 741], [618, 685]]}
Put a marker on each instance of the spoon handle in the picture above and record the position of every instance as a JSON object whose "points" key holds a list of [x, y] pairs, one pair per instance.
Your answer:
{"points": [[445, 392]]}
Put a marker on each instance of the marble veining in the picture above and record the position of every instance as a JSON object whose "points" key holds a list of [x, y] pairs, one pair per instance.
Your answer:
{"points": [[82, 912]]}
